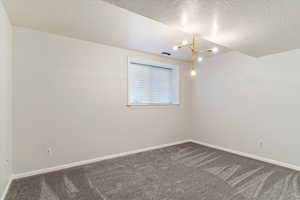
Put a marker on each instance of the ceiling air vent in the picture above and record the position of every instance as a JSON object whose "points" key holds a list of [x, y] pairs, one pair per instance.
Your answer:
{"points": [[166, 53]]}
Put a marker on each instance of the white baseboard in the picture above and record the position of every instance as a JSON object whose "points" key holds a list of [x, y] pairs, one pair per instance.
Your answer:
{"points": [[80, 163], [6, 188], [252, 156]]}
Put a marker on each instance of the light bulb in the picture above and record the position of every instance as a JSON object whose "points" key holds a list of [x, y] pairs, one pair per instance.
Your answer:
{"points": [[215, 50], [184, 42], [175, 48], [200, 59], [184, 19], [193, 72]]}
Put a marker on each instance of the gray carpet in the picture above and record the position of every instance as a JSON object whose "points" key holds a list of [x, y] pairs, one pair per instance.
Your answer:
{"points": [[182, 172]]}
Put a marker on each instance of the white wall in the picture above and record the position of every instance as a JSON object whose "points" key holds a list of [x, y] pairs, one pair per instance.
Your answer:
{"points": [[5, 99], [240, 101], [71, 95]]}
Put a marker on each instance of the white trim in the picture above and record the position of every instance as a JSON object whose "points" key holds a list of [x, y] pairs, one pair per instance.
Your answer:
{"points": [[79, 163], [152, 104], [6, 188], [252, 156]]}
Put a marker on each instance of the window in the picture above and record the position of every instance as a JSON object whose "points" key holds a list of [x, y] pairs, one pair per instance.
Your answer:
{"points": [[151, 83]]}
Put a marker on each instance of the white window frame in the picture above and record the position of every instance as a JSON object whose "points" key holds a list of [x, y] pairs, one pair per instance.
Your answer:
{"points": [[154, 64]]}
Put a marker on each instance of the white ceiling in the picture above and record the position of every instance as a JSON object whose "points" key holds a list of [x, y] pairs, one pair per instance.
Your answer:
{"points": [[101, 22], [253, 27]]}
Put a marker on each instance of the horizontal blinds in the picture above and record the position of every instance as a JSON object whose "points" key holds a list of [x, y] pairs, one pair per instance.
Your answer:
{"points": [[150, 84]]}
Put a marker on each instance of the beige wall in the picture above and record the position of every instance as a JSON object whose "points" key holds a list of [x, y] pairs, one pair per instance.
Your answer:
{"points": [[5, 99], [71, 95], [250, 104]]}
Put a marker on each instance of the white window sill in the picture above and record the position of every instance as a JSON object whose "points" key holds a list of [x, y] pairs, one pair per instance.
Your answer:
{"points": [[153, 105]]}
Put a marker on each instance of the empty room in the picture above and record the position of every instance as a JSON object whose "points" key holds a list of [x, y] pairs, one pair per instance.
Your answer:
{"points": [[149, 100]]}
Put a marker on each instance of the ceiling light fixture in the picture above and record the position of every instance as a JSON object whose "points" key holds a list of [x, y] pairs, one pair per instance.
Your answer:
{"points": [[215, 50], [185, 42], [193, 72], [175, 48], [194, 48]]}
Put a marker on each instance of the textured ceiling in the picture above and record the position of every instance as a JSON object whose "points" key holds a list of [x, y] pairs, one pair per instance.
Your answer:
{"points": [[253, 27], [101, 22]]}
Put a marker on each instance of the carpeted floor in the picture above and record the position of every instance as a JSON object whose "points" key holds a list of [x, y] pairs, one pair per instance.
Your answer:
{"points": [[182, 172]]}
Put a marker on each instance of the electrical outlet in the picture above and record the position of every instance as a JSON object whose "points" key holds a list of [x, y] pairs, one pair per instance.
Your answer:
{"points": [[261, 144], [50, 151]]}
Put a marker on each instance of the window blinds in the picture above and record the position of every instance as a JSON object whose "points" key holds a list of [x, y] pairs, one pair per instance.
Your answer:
{"points": [[150, 84]]}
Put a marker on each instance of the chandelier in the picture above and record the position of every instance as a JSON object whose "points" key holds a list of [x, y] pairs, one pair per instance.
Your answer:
{"points": [[193, 46]]}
